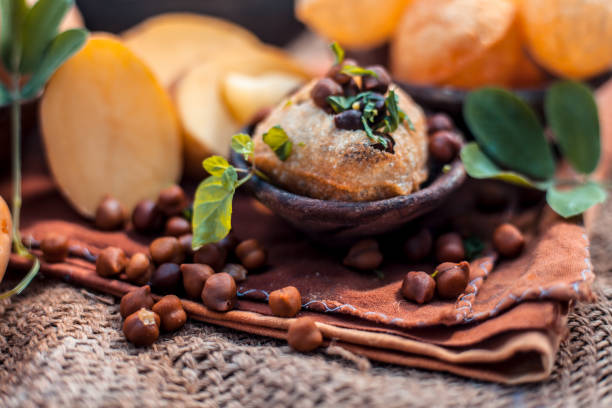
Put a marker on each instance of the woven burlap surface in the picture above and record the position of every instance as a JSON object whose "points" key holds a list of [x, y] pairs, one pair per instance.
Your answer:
{"points": [[62, 346]]}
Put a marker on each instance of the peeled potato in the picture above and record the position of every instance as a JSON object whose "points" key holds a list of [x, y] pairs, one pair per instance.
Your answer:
{"points": [[172, 43], [207, 122], [353, 23], [5, 236], [572, 38], [496, 66], [246, 95], [435, 39], [109, 127]]}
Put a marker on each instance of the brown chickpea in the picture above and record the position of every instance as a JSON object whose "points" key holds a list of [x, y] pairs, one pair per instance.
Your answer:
{"points": [[449, 248], [452, 279], [147, 218], [55, 247], [219, 292], [324, 88], [251, 254], [418, 246], [171, 313], [185, 242], [211, 255], [166, 278], [139, 269], [111, 262], [508, 240], [364, 255], [172, 201], [110, 214], [141, 328], [135, 300], [418, 286], [166, 249], [379, 83], [236, 271], [444, 146], [194, 278], [177, 226], [336, 76], [439, 121], [285, 302], [304, 335]]}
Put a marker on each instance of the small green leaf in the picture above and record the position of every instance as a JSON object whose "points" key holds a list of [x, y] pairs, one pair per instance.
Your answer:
{"points": [[13, 14], [479, 166], [338, 52], [572, 113], [371, 135], [243, 144], [278, 141], [396, 115], [39, 28], [215, 165], [568, 203], [212, 211], [5, 95], [61, 48], [355, 70], [508, 130]]}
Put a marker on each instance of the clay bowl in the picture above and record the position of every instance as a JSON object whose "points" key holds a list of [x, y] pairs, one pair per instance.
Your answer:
{"points": [[341, 222]]}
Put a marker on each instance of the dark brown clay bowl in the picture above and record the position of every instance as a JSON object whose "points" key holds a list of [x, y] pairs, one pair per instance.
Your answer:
{"points": [[341, 222]]}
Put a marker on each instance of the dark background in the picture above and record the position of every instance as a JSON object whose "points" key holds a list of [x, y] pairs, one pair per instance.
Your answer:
{"points": [[271, 20]]}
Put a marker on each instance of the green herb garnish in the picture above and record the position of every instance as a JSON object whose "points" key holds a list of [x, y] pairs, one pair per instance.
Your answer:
{"points": [[395, 115], [359, 71], [31, 48], [242, 144], [511, 145], [373, 136], [338, 52], [279, 142]]}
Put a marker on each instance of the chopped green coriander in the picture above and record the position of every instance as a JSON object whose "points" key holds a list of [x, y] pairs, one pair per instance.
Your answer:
{"points": [[279, 142], [359, 71], [338, 52]]}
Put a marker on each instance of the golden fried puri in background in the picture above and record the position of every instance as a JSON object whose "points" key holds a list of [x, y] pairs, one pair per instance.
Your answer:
{"points": [[5, 236], [109, 127], [436, 39], [571, 38], [353, 23], [335, 164], [172, 43], [207, 121]]}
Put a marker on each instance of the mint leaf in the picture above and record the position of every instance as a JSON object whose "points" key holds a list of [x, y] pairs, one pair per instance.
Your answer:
{"points": [[572, 113], [338, 52], [212, 210], [243, 144], [39, 28], [340, 103], [278, 141], [13, 13], [508, 130], [373, 136], [395, 114], [61, 48], [568, 203], [355, 70], [479, 166], [215, 165]]}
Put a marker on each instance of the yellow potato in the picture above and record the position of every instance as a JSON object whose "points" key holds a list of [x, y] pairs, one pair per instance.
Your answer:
{"points": [[5, 236], [435, 39], [572, 38], [172, 43], [353, 23], [496, 66], [246, 95], [208, 124], [109, 127]]}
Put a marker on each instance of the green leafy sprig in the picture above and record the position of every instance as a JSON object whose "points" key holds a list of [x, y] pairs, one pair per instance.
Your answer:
{"points": [[212, 206], [511, 144], [338, 52], [32, 49]]}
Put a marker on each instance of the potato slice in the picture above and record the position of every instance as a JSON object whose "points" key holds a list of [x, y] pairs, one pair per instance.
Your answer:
{"points": [[437, 38], [5, 236], [109, 127], [353, 23], [247, 95], [207, 121], [172, 43]]}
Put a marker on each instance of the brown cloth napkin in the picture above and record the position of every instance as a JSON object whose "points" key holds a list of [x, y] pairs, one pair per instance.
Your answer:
{"points": [[505, 327]]}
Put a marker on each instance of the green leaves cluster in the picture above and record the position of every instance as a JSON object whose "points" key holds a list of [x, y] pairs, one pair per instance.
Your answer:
{"points": [[511, 144], [212, 207], [30, 44]]}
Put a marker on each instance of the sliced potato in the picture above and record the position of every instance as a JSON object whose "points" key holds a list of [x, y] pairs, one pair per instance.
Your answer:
{"points": [[109, 127], [172, 43], [246, 95], [353, 23], [207, 121], [435, 39], [5, 236]]}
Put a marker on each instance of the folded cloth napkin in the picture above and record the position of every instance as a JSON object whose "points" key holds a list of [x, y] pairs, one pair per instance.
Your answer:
{"points": [[505, 327]]}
